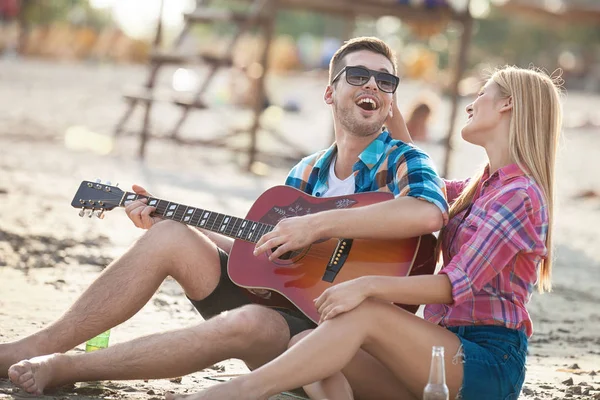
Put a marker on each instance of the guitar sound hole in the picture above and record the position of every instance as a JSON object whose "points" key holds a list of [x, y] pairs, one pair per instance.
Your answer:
{"points": [[285, 256]]}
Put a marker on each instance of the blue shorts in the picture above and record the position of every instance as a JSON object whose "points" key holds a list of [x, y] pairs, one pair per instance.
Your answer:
{"points": [[494, 362]]}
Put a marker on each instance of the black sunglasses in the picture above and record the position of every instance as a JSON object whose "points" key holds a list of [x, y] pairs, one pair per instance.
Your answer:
{"points": [[358, 76]]}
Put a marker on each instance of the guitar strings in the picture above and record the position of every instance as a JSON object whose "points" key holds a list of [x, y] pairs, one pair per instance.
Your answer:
{"points": [[180, 212]]}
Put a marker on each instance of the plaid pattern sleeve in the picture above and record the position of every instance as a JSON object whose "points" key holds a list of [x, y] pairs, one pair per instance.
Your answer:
{"points": [[416, 177], [507, 229], [492, 251], [454, 189]]}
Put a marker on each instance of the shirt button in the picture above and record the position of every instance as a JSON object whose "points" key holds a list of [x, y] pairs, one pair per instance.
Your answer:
{"points": [[318, 194], [506, 356]]}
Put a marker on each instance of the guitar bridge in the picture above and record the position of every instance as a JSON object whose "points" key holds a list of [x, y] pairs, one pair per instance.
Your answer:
{"points": [[338, 258]]}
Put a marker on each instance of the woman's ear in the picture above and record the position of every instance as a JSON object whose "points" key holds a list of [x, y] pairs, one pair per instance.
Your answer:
{"points": [[328, 96], [507, 104]]}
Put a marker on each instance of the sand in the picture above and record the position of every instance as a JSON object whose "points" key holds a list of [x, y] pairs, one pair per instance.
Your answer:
{"points": [[48, 254]]}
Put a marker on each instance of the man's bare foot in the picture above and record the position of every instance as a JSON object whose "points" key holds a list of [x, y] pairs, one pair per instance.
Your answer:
{"points": [[11, 353], [231, 390], [32, 375]]}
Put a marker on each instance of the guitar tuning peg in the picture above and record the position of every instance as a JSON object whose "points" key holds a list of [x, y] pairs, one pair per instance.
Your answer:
{"points": [[82, 212], [108, 183], [98, 180], [116, 185], [91, 213], [100, 214]]}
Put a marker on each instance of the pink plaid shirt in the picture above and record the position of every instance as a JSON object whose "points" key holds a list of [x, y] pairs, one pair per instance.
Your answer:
{"points": [[492, 251]]}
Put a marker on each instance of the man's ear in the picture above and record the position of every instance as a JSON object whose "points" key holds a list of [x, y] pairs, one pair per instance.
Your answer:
{"points": [[328, 96], [507, 104]]}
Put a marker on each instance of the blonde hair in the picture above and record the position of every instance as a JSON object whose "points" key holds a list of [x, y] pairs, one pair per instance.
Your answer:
{"points": [[535, 128]]}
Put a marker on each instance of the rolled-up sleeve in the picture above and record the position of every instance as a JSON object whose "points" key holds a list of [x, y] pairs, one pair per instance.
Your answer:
{"points": [[416, 177], [506, 229], [454, 188]]}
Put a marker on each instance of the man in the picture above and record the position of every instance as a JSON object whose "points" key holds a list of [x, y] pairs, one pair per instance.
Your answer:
{"points": [[362, 85]]}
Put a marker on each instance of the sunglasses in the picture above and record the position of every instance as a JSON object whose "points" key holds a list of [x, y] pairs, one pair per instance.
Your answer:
{"points": [[358, 76]]}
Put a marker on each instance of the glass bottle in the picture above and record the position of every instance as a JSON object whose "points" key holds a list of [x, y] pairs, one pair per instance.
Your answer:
{"points": [[98, 342], [436, 388]]}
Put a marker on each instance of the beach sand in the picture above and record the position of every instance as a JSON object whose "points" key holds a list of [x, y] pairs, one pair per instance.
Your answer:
{"points": [[55, 124]]}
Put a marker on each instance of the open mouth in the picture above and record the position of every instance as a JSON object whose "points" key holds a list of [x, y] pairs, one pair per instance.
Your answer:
{"points": [[367, 103]]}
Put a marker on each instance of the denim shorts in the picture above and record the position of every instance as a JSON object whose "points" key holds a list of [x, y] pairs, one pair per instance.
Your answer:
{"points": [[494, 362]]}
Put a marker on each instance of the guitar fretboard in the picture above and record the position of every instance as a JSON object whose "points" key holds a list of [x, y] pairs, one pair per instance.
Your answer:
{"points": [[237, 228]]}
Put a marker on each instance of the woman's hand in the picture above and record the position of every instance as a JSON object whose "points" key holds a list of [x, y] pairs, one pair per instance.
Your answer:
{"points": [[393, 113], [341, 298], [289, 234], [395, 124]]}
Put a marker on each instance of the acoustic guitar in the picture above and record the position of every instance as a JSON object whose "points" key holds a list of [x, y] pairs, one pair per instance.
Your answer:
{"points": [[296, 278]]}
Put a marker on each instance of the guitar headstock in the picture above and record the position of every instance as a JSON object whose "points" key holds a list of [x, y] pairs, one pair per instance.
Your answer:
{"points": [[96, 198]]}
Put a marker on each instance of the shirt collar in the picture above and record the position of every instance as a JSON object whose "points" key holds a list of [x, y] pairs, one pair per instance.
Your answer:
{"points": [[370, 156], [375, 151], [505, 173], [323, 162]]}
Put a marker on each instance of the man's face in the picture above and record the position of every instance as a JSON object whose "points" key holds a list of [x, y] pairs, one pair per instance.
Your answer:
{"points": [[353, 105]]}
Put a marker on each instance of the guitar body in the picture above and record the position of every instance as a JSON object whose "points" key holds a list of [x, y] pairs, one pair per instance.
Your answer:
{"points": [[301, 278], [297, 278]]}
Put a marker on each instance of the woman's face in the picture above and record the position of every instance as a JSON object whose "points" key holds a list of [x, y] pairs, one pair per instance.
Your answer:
{"points": [[484, 115]]}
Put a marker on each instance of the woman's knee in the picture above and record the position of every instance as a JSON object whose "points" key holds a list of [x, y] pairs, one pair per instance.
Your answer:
{"points": [[370, 309], [372, 312]]}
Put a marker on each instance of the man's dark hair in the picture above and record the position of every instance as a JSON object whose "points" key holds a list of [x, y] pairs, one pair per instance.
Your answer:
{"points": [[372, 44]]}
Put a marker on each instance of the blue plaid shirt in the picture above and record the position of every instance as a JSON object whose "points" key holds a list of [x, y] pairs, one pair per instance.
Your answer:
{"points": [[385, 165]]}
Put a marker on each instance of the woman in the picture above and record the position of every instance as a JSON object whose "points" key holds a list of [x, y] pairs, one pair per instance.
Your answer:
{"points": [[496, 248]]}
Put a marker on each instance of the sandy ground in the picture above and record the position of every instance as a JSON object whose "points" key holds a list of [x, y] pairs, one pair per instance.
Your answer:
{"points": [[48, 254]]}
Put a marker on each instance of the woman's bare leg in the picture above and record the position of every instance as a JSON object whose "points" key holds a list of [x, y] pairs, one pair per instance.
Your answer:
{"points": [[335, 387], [399, 340], [371, 380], [364, 378]]}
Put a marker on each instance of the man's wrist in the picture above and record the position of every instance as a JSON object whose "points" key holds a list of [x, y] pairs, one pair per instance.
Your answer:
{"points": [[320, 225]]}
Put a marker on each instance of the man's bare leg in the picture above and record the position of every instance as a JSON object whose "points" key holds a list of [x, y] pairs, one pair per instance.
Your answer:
{"points": [[252, 333], [122, 289]]}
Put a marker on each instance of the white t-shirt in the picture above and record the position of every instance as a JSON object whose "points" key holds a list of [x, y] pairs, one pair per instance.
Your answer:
{"points": [[336, 186]]}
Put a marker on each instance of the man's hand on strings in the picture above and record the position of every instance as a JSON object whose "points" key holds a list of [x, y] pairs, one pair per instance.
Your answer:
{"points": [[289, 234], [139, 212]]}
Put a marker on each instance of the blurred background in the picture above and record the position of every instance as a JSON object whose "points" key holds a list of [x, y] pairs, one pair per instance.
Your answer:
{"points": [[248, 75], [209, 103], [122, 31]]}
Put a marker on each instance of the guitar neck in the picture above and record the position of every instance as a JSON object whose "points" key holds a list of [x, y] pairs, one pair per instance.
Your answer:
{"points": [[227, 225]]}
